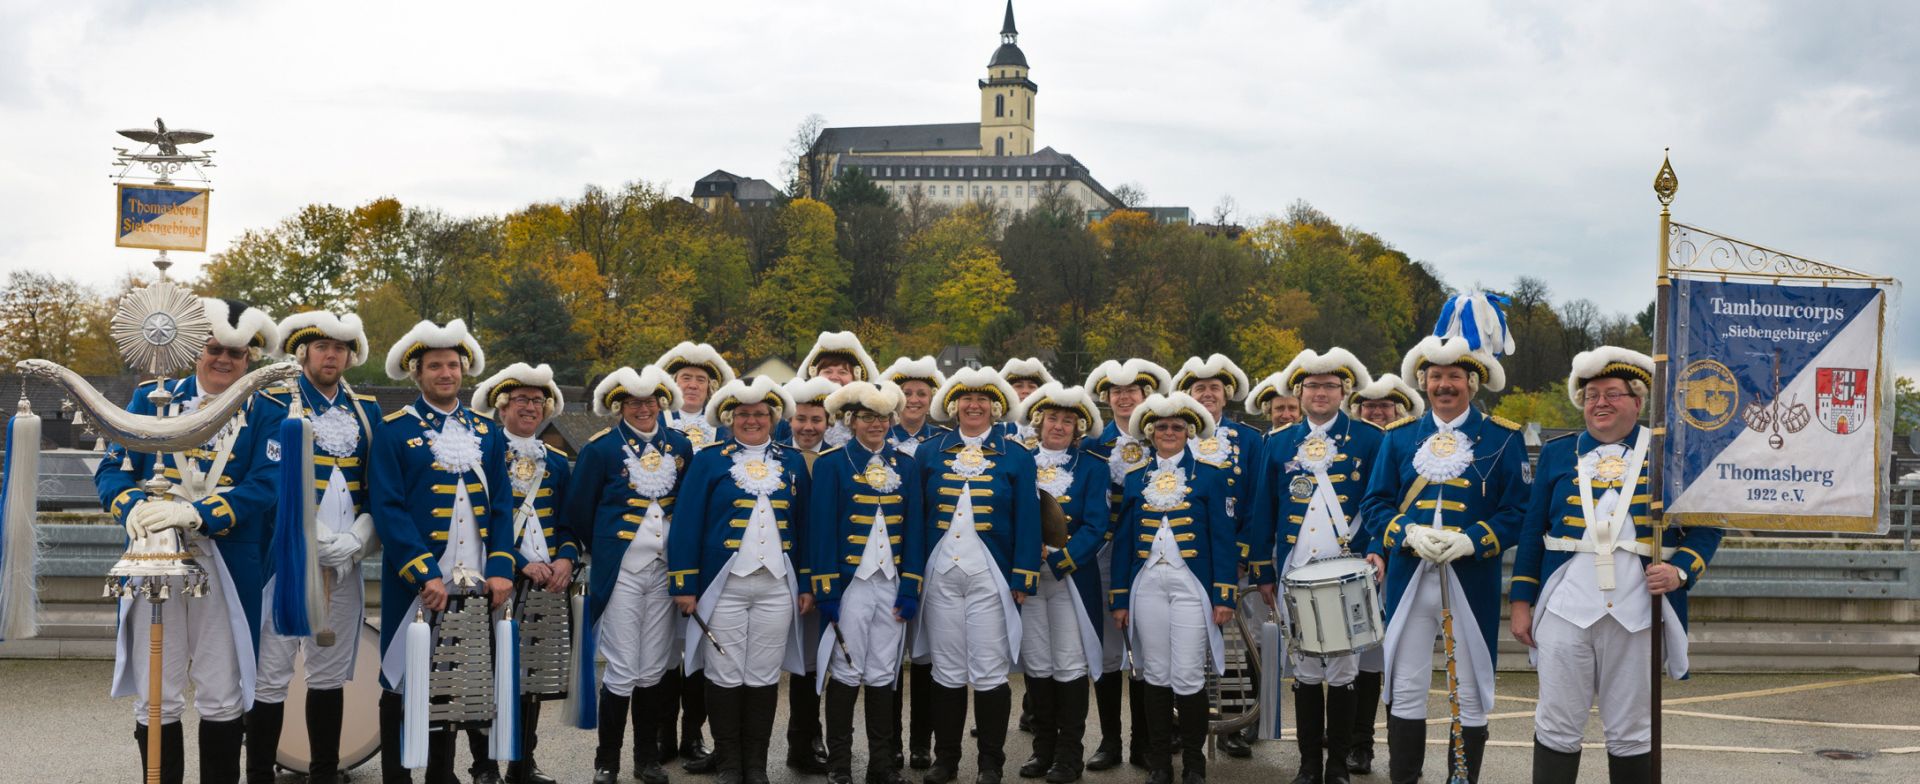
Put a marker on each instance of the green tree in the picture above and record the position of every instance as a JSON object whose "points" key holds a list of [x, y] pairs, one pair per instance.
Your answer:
{"points": [[869, 237], [531, 324], [1548, 407], [802, 294], [1906, 397], [304, 262]]}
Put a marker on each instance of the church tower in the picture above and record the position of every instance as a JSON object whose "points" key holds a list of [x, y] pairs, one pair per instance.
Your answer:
{"points": [[1006, 97]]}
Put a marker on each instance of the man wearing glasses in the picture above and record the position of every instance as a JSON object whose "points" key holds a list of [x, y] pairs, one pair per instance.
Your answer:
{"points": [[223, 505], [1586, 537]]}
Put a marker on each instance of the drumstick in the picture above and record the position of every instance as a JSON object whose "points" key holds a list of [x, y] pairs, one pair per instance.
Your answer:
{"points": [[325, 638], [708, 632], [841, 640]]}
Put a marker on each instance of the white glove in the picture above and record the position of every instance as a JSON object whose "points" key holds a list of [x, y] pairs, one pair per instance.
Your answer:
{"points": [[137, 518], [1453, 545], [155, 514], [362, 531], [1422, 541], [339, 550]]}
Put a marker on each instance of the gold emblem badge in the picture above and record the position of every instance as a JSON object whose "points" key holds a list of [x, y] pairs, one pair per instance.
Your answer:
{"points": [[1301, 486], [1315, 449], [1047, 474], [1132, 453], [1610, 468], [1443, 444], [1209, 445], [757, 470], [1166, 483], [650, 460], [876, 474], [970, 458], [697, 435], [523, 469]]}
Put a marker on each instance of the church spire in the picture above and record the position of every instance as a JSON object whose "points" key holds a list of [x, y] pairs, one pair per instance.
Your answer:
{"points": [[1007, 32]]}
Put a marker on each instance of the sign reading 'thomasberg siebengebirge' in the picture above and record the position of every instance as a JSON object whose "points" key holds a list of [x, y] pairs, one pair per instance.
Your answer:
{"points": [[158, 217], [1781, 406]]}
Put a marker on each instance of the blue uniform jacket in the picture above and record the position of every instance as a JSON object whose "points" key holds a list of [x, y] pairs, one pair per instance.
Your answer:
{"points": [[1201, 519], [413, 505], [239, 515], [1277, 510], [1243, 467], [365, 411], [602, 508], [1554, 511], [549, 501], [840, 519], [1485, 502], [1089, 527], [1101, 448], [1006, 506], [713, 510]]}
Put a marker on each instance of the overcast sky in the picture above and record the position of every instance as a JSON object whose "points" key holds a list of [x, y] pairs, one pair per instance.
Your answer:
{"points": [[1491, 138]]}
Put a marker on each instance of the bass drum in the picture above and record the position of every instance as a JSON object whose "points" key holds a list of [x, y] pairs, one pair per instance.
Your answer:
{"points": [[360, 719]]}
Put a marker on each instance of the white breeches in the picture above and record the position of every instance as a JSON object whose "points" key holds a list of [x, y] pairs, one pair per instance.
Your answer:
{"points": [[966, 625], [1414, 655], [197, 644], [328, 667], [1602, 663], [1335, 671], [1050, 643], [1169, 620], [635, 634], [873, 638], [753, 620]]}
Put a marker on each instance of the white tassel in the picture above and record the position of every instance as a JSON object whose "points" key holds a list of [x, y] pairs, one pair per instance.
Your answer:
{"points": [[503, 738], [414, 686], [315, 589], [20, 550], [576, 691]]}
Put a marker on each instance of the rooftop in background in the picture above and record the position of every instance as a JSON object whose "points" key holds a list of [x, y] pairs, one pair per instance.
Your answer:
{"points": [[723, 186], [935, 137]]}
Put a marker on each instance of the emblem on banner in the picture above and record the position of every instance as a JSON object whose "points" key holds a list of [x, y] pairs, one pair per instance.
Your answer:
{"points": [[1840, 398], [1707, 395]]}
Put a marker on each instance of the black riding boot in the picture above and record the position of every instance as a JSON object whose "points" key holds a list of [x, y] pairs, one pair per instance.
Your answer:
{"points": [[1106, 692], [1366, 710], [1309, 727], [392, 716], [803, 725], [483, 770], [440, 757], [757, 714], [524, 770], [1156, 702], [613, 733], [925, 719], [1041, 707], [326, 709], [993, 712], [723, 707], [1070, 719], [840, 699], [1636, 769], [949, 710], [173, 752], [1137, 745], [667, 716], [883, 736], [693, 704], [263, 740], [1556, 767], [1406, 749], [220, 743], [1474, 739], [1339, 733], [1194, 723], [648, 752]]}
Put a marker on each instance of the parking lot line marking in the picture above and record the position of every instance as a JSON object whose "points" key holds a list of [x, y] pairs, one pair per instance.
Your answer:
{"points": [[1797, 722], [1741, 695]]}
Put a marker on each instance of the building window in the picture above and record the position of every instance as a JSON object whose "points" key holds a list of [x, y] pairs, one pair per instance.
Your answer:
{"points": [[999, 146], [999, 106], [1003, 191], [976, 191], [1020, 190], [946, 190]]}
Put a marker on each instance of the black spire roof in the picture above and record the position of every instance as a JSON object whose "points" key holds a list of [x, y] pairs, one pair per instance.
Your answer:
{"points": [[1009, 52]]}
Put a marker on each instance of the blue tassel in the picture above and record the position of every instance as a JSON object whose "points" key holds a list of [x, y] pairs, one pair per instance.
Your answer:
{"points": [[290, 532], [503, 738]]}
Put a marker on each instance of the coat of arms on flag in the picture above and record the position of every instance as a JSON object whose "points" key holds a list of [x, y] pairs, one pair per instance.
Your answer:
{"points": [[1840, 398]]}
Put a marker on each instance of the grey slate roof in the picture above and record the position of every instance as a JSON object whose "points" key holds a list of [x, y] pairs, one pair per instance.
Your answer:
{"points": [[896, 138], [1053, 165]]}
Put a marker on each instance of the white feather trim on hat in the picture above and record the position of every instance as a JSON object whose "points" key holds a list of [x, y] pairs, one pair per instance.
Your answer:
{"points": [[249, 328], [1268, 388], [307, 326], [841, 344], [1388, 387], [1216, 366], [1607, 362], [648, 381], [809, 390], [1178, 405], [427, 335], [743, 392], [924, 369], [1432, 350], [1031, 369], [1152, 378], [1051, 395], [519, 374], [700, 355], [883, 398], [1336, 362], [986, 381]]}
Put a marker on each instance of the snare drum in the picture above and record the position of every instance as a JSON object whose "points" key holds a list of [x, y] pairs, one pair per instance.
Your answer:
{"points": [[1333, 607], [360, 718]]}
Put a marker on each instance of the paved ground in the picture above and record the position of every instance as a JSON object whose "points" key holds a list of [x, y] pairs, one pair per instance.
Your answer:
{"points": [[57, 725]]}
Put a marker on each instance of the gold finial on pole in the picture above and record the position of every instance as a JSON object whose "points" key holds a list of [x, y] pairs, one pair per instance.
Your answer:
{"points": [[1665, 184]]}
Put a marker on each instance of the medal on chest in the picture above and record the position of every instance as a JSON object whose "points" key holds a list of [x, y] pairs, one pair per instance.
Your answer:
{"points": [[1165, 489], [755, 475], [1316, 453], [1133, 453], [1444, 456], [970, 462], [1610, 468], [1301, 486]]}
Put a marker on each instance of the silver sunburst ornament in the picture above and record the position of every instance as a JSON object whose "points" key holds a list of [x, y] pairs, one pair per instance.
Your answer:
{"points": [[161, 328]]}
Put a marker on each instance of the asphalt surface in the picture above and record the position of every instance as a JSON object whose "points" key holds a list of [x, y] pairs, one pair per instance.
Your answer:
{"points": [[57, 724]]}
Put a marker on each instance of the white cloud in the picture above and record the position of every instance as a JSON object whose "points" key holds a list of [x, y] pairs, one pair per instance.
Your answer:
{"points": [[1490, 137]]}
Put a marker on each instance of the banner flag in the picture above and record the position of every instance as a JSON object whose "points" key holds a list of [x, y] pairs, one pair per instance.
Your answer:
{"points": [[161, 218], [1780, 413]]}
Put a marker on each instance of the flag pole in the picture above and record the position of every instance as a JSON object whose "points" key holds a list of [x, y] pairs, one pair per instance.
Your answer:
{"points": [[1665, 185]]}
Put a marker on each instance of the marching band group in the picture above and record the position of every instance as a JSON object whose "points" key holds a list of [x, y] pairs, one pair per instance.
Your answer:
{"points": [[969, 526]]}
